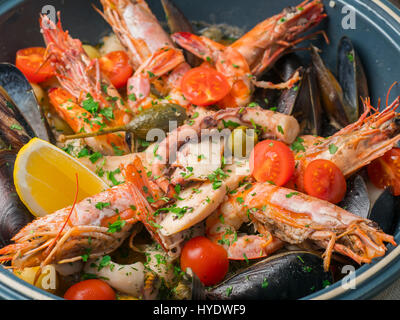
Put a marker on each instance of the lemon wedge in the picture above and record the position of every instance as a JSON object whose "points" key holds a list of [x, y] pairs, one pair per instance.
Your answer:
{"points": [[45, 178]]}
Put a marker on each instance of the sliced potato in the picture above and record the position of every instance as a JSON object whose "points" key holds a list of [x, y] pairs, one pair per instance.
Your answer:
{"points": [[47, 280]]}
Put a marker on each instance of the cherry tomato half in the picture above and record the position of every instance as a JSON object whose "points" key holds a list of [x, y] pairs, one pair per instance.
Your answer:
{"points": [[209, 261], [30, 62], [272, 161], [204, 86], [92, 289], [324, 180], [385, 171], [115, 65]]}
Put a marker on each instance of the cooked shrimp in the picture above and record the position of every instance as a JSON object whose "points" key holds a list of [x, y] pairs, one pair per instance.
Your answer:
{"points": [[263, 45], [151, 50], [294, 217], [82, 78], [93, 227], [354, 146], [223, 225], [256, 51], [80, 120]]}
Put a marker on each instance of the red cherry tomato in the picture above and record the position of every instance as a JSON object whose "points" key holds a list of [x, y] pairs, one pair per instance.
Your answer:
{"points": [[209, 261], [30, 62], [272, 161], [204, 86], [324, 180], [385, 171], [93, 289], [115, 65]]}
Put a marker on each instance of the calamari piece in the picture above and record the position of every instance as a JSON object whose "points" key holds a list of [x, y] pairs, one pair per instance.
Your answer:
{"points": [[199, 201]]}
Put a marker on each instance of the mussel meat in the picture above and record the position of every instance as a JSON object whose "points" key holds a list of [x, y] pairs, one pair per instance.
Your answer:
{"points": [[332, 97], [21, 92], [303, 100], [15, 132]]}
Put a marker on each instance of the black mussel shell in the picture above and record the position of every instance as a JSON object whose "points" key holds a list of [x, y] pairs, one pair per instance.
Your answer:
{"points": [[21, 93], [287, 66], [356, 199], [268, 98], [385, 211], [290, 275], [177, 22], [13, 214], [352, 78]]}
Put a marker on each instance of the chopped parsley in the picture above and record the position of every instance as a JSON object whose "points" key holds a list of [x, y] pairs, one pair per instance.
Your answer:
{"points": [[16, 127], [83, 153], [102, 205], [95, 156], [230, 124], [90, 105], [291, 194], [350, 57], [104, 262], [116, 226], [108, 113], [117, 150], [333, 149], [111, 176], [297, 145]]}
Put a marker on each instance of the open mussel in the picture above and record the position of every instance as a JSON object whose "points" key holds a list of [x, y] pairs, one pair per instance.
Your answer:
{"points": [[13, 213], [303, 100], [341, 96], [268, 98], [25, 107], [333, 101], [289, 275], [15, 131], [371, 203]]}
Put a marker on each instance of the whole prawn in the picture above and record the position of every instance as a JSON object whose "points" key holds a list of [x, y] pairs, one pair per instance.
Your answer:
{"points": [[354, 146], [93, 102], [293, 217], [91, 228], [151, 51], [256, 51]]}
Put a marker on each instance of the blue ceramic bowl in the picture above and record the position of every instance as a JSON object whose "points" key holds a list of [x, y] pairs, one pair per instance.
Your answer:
{"points": [[376, 37]]}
